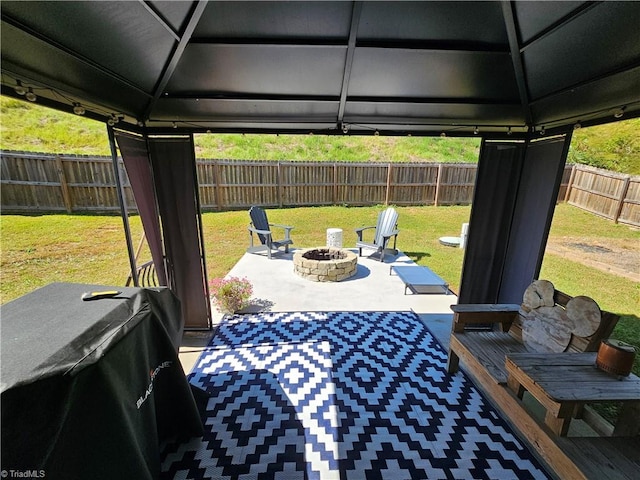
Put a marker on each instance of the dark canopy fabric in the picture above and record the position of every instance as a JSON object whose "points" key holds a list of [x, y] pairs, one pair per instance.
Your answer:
{"points": [[393, 67], [491, 212], [136, 161], [538, 189], [162, 174], [515, 195], [174, 174]]}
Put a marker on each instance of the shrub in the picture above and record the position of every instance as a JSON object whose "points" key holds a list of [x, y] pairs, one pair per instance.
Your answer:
{"points": [[230, 294]]}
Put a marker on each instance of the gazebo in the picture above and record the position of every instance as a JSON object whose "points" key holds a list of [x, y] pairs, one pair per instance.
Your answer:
{"points": [[520, 75]]}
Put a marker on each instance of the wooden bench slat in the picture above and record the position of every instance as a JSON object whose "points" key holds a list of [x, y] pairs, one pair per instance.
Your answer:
{"points": [[490, 349], [527, 359], [486, 307], [590, 392]]}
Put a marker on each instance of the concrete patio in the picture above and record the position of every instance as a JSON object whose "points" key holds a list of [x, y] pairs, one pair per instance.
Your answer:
{"points": [[277, 288]]}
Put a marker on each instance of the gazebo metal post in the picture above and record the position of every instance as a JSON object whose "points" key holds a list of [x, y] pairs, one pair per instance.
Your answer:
{"points": [[123, 206]]}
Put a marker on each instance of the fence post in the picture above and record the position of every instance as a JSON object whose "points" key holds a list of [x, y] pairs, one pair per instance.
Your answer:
{"points": [[438, 180], [570, 184], [388, 192], [216, 177], [64, 186], [335, 183], [623, 195], [279, 175]]}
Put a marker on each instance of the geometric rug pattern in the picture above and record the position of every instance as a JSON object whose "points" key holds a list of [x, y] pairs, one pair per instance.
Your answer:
{"points": [[340, 395]]}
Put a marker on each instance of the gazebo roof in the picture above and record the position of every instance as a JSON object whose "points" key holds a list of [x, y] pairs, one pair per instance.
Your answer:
{"points": [[419, 68]]}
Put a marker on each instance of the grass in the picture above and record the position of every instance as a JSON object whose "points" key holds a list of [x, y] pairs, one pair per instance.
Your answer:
{"points": [[617, 146], [37, 250], [336, 148], [32, 128]]}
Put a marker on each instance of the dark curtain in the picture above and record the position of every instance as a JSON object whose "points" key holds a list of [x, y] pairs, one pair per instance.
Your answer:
{"points": [[516, 191], [499, 169], [136, 161], [174, 174], [537, 197]]}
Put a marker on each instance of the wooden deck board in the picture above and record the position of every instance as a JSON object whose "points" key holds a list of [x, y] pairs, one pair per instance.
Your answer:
{"points": [[611, 458]]}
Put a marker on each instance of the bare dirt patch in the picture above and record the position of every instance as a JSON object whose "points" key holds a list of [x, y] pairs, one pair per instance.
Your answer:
{"points": [[619, 256]]}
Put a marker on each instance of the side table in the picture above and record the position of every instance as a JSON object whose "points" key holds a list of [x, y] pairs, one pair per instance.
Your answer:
{"points": [[564, 382], [334, 237]]}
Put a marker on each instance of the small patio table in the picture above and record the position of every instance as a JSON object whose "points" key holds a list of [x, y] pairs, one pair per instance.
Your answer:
{"points": [[564, 382], [419, 279]]}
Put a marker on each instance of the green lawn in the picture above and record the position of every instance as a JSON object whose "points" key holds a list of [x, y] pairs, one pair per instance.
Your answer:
{"points": [[37, 250]]}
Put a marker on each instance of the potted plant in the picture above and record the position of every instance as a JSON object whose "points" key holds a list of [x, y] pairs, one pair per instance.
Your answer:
{"points": [[230, 294]]}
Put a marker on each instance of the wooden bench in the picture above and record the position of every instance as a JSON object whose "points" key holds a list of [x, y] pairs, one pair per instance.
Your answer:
{"points": [[483, 352]]}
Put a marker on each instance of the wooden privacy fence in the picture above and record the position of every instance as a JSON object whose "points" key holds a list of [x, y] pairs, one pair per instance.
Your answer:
{"points": [[615, 196], [227, 184], [63, 183], [59, 183], [69, 183]]}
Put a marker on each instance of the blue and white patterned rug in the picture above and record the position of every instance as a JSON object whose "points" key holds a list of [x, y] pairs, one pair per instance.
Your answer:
{"points": [[341, 395]]}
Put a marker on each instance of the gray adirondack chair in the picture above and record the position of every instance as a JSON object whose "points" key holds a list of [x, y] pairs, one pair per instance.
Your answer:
{"points": [[261, 228], [146, 275], [385, 229]]}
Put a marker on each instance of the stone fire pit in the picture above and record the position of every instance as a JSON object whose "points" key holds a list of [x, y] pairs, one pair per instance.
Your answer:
{"points": [[325, 264]]}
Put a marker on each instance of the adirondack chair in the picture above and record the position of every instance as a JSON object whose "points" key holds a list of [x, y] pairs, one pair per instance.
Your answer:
{"points": [[146, 275], [261, 227], [385, 228]]}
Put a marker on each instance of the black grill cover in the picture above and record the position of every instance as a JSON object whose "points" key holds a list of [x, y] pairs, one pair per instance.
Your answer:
{"points": [[90, 388]]}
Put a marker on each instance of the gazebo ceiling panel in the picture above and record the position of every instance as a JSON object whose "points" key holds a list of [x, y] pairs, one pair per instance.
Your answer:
{"points": [[392, 22], [296, 21], [175, 14], [535, 17], [565, 57], [67, 78], [600, 95], [206, 69], [201, 111], [388, 65], [436, 74], [434, 113], [129, 42]]}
